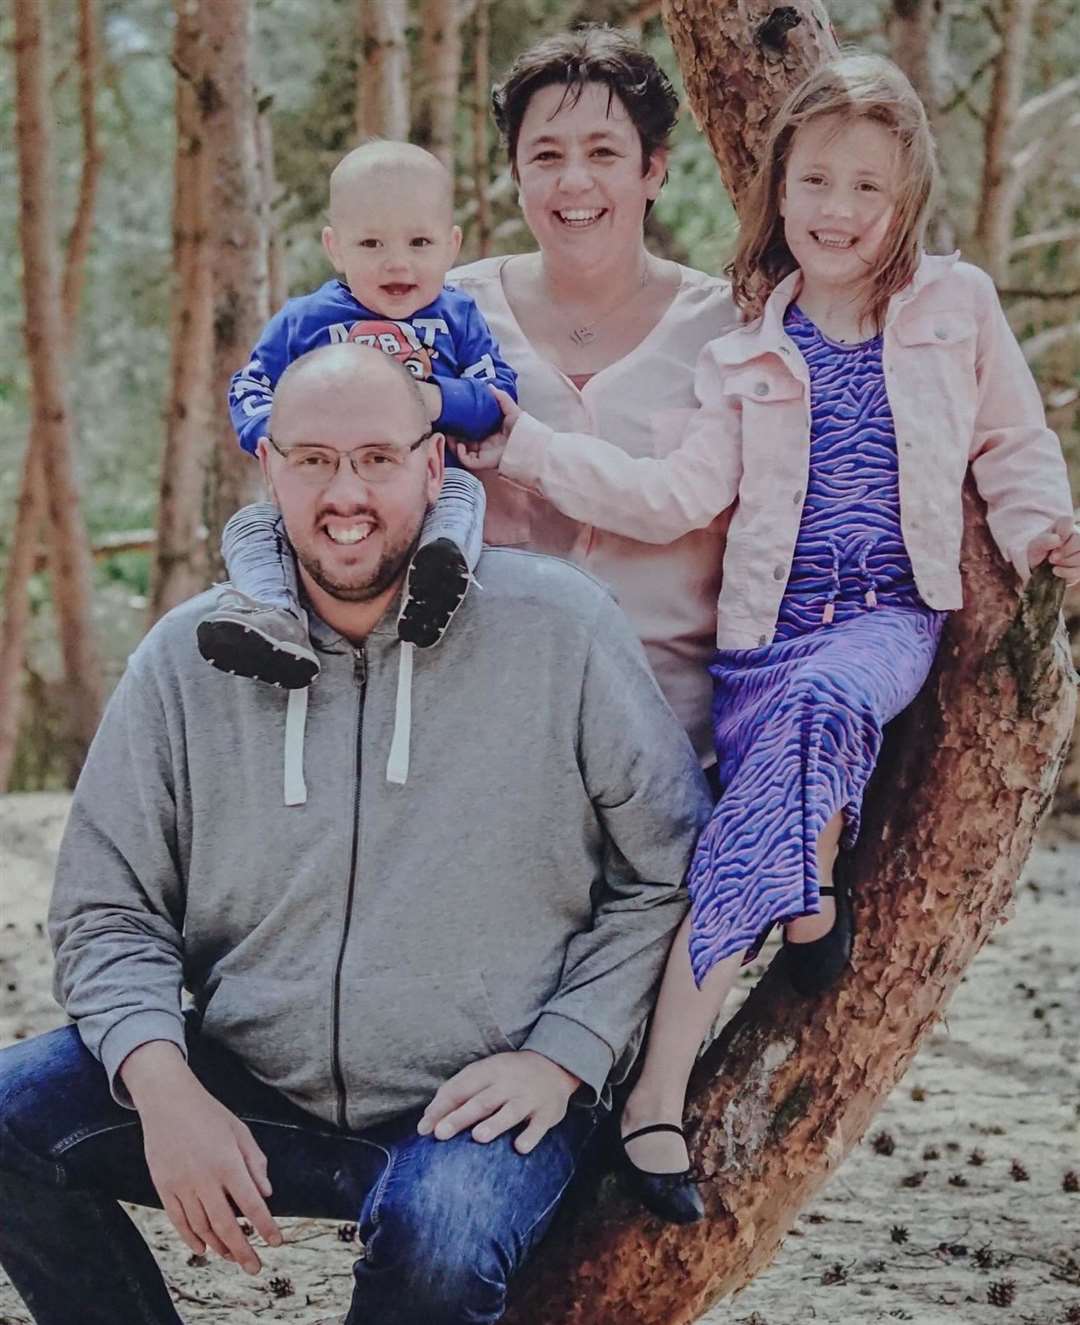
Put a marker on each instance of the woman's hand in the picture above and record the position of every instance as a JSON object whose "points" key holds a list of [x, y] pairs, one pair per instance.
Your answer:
{"points": [[488, 453], [1061, 545]]}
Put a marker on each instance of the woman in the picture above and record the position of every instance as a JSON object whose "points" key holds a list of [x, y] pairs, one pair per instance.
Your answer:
{"points": [[604, 337]]}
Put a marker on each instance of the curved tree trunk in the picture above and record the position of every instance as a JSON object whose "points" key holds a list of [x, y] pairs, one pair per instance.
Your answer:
{"points": [[790, 1086], [965, 777], [738, 63]]}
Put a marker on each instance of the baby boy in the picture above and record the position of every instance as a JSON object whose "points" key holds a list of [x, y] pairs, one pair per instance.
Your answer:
{"points": [[391, 239]]}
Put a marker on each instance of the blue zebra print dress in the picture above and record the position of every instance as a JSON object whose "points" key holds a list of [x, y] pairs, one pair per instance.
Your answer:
{"points": [[798, 722]]}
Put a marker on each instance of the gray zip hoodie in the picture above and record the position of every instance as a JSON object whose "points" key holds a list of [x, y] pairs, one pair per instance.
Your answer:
{"points": [[516, 887]]}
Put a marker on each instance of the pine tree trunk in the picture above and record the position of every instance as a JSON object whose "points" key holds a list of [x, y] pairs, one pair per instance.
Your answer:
{"points": [[440, 46], [180, 557], [1000, 193], [738, 63], [481, 112], [965, 777], [382, 93], [47, 332], [236, 243], [918, 32]]}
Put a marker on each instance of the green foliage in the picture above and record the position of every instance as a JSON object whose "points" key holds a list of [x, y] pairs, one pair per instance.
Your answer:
{"points": [[306, 62]]}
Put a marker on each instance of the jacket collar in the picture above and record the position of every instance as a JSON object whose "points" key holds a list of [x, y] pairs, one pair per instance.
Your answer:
{"points": [[766, 333]]}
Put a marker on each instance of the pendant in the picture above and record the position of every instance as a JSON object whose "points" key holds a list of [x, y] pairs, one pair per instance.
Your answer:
{"points": [[583, 335]]}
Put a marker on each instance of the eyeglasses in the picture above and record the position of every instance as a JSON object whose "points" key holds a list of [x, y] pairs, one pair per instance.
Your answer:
{"points": [[318, 466]]}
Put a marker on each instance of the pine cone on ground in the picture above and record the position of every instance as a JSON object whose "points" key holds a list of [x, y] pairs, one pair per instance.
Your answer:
{"points": [[1002, 1293]]}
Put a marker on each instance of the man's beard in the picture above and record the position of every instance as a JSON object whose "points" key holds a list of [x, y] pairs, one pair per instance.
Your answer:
{"points": [[388, 569]]}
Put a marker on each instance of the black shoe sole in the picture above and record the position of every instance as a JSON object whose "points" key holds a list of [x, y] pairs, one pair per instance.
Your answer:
{"points": [[246, 651], [437, 584]]}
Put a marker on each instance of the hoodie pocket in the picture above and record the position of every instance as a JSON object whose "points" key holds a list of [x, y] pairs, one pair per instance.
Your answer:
{"points": [[403, 1035]]}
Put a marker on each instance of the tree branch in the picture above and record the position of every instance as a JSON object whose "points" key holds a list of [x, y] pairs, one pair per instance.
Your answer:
{"points": [[1061, 234], [1039, 105], [1021, 292], [1036, 346]]}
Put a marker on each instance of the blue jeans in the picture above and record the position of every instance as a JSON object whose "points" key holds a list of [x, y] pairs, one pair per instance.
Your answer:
{"points": [[444, 1223]]}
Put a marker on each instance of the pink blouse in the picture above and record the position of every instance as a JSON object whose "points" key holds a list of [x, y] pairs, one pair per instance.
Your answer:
{"points": [[669, 592]]}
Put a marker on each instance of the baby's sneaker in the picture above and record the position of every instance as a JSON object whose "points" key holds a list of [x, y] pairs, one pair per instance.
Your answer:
{"points": [[249, 638], [435, 588]]}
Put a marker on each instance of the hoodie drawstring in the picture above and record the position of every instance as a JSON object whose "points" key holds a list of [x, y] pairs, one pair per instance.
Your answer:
{"points": [[295, 725], [397, 766]]}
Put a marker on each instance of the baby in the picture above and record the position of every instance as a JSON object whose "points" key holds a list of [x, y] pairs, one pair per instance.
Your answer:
{"points": [[392, 239]]}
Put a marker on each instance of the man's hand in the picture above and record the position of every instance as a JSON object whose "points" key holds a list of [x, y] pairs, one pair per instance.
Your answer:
{"points": [[498, 1093], [203, 1161], [1061, 542]]}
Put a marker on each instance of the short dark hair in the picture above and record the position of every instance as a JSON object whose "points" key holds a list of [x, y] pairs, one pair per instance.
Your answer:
{"points": [[591, 53]]}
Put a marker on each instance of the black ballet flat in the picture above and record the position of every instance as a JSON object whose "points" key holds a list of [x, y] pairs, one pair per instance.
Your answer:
{"points": [[816, 966], [673, 1197]]}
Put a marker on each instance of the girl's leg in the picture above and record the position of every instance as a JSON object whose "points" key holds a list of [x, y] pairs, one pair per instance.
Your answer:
{"points": [[681, 1020], [807, 928], [257, 627], [444, 561]]}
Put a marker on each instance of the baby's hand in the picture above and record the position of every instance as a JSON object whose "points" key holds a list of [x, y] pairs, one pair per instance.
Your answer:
{"points": [[481, 455], [1061, 543]]}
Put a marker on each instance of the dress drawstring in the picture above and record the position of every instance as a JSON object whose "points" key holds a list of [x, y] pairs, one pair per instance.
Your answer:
{"points": [[866, 578], [834, 588]]}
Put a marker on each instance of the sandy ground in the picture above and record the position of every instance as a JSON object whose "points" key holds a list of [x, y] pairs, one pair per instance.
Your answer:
{"points": [[964, 1189]]}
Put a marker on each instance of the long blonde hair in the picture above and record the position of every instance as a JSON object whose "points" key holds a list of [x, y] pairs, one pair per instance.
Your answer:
{"points": [[853, 86]]}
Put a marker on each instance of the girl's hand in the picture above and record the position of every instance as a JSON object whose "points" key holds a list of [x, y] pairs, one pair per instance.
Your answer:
{"points": [[1061, 545]]}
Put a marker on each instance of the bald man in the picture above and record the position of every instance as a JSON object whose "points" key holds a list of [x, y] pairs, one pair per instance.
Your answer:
{"points": [[391, 237], [419, 908]]}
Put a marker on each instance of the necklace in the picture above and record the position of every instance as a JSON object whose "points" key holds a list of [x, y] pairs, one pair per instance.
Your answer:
{"points": [[586, 333]]}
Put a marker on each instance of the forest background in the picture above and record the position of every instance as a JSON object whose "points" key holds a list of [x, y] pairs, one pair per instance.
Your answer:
{"points": [[999, 78]]}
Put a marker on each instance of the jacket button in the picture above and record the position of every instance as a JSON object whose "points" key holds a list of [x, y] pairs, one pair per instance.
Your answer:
{"points": [[779, 572], [940, 333], [762, 639], [798, 496], [761, 389]]}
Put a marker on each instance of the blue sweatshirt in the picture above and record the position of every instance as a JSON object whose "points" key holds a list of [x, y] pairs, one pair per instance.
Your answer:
{"points": [[448, 340]]}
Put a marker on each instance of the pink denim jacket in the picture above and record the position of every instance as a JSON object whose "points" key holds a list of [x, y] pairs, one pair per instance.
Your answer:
{"points": [[960, 392]]}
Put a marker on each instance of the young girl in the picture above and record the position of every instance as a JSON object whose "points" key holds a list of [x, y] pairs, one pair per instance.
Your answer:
{"points": [[839, 420]]}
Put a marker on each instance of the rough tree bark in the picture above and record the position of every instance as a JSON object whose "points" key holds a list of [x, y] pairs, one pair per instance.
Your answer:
{"points": [[236, 242], [790, 1086], [738, 63], [440, 55], [180, 565], [382, 92], [50, 464]]}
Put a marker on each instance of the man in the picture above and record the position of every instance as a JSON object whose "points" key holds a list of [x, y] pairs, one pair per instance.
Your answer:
{"points": [[412, 979]]}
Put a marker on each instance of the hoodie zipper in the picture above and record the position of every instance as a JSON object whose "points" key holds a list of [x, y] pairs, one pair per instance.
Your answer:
{"points": [[360, 677]]}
